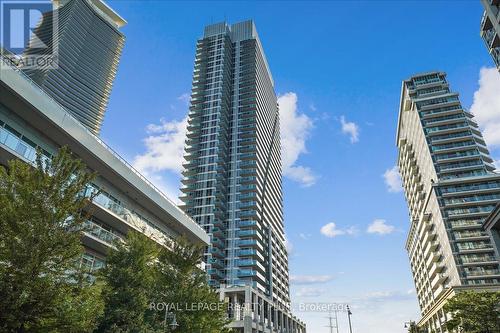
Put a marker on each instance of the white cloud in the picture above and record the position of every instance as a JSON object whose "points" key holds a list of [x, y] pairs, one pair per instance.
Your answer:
{"points": [[310, 292], [497, 164], [380, 227], [304, 236], [289, 246], [350, 128], [393, 179], [386, 296], [186, 98], [310, 279], [164, 148], [331, 230], [486, 105], [301, 174], [294, 131]]}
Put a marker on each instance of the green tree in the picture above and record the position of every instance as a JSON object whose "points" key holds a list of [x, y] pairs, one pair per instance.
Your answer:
{"points": [[141, 278], [129, 280], [474, 312], [412, 327], [183, 285], [42, 288]]}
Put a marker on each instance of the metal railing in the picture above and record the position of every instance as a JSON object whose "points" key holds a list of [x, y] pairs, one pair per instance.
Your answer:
{"points": [[8, 62]]}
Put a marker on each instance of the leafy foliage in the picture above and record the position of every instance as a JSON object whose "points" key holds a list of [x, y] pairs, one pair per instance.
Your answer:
{"points": [[129, 279], [474, 312], [44, 289], [180, 267], [140, 276], [41, 285]]}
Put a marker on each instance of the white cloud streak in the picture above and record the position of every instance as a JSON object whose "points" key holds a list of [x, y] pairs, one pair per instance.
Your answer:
{"points": [[380, 227], [310, 279], [310, 292], [497, 164], [350, 128], [289, 246], [295, 128], [393, 180], [331, 230], [304, 236], [486, 105], [164, 148], [186, 98]]}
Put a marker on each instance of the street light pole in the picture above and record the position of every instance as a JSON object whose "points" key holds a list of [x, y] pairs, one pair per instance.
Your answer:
{"points": [[173, 324], [349, 314]]}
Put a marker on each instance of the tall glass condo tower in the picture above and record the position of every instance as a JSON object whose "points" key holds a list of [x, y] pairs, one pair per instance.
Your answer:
{"points": [[232, 173], [451, 187], [89, 44]]}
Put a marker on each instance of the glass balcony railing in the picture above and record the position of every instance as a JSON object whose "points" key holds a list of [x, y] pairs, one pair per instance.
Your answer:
{"points": [[246, 252], [243, 224], [471, 246], [459, 165], [451, 136], [453, 145], [17, 142], [477, 259], [474, 173], [472, 210], [458, 154], [96, 230], [247, 233], [91, 263], [473, 198], [112, 204], [246, 272], [446, 127], [440, 110], [440, 119], [465, 223], [462, 235], [470, 187], [246, 262], [247, 242], [484, 272], [25, 148]]}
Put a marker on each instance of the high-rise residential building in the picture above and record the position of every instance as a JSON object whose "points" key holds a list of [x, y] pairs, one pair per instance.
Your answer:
{"points": [[89, 43], [490, 28], [232, 176], [31, 120], [492, 224], [450, 187]]}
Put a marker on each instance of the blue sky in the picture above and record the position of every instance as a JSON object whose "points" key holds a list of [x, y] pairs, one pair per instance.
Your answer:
{"points": [[338, 68]]}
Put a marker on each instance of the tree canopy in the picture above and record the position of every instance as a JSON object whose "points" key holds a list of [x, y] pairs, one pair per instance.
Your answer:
{"points": [[474, 312], [42, 287]]}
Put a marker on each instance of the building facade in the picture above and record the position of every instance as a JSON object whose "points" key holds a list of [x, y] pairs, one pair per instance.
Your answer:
{"points": [[492, 224], [490, 28], [450, 187], [232, 175], [31, 119], [89, 44]]}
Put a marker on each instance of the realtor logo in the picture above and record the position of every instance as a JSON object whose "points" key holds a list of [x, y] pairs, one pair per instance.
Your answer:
{"points": [[28, 33]]}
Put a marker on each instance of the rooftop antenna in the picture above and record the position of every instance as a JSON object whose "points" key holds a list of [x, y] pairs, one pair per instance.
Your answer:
{"points": [[331, 318]]}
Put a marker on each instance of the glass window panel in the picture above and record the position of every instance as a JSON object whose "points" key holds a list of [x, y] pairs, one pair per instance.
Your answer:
{"points": [[11, 141]]}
